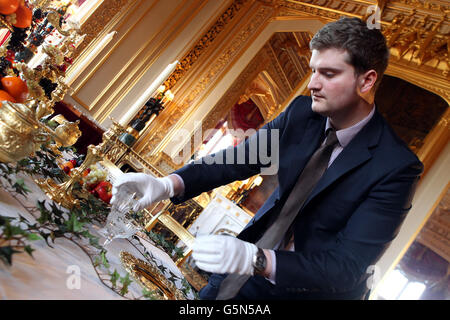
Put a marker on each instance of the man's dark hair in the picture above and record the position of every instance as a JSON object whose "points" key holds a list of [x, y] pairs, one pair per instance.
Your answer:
{"points": [[366, 47]]}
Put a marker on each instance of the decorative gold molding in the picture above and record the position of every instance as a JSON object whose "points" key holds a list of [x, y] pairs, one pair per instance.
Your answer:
{"points": [[97, 21], [421, 77], [221, 109], [420, 42], [205, 65], [215, 71], [419, 28], [205, 41], [223, 23], [426, 5], [325, 9], [435, 142]]}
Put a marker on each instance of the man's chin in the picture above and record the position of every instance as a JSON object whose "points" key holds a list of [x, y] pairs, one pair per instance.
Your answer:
{"points": [[318, 107]]}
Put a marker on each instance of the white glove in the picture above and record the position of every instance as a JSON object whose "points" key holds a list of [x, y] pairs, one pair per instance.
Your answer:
{"points": [[224, 254], [148, 189]]}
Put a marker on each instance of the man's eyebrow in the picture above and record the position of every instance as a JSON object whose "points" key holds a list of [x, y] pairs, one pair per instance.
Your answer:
{"points": [[326, 69]]}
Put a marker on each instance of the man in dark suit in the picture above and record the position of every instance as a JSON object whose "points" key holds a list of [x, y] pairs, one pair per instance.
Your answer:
{"points": [[351, 214]]}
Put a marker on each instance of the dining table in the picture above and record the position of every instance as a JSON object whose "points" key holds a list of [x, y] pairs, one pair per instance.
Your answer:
{"points": [[71, 268]]}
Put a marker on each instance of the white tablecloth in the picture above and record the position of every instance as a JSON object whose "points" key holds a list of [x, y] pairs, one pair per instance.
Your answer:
{"points": [[47, 275]]}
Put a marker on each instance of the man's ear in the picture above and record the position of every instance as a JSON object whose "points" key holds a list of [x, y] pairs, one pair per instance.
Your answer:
{"points": [[367, 81]]}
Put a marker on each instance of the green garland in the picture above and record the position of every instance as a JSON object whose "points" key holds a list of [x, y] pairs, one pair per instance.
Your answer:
{"points": [[167, 246], [17, 233]]}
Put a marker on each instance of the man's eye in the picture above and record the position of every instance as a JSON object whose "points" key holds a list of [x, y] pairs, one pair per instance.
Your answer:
{"points": [[329, 74]]}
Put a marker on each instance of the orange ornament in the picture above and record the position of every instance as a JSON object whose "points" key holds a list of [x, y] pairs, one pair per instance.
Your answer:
{"points": [[16, 87], [23, 17], [5, 96], [68, 164], [8, 6]]}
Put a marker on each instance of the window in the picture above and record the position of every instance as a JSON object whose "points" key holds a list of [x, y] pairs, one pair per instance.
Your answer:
{"points": [[397, 286], [221, 139]]}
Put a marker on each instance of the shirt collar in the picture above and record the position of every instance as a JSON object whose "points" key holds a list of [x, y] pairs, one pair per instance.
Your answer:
{"points": [[346, 135]]}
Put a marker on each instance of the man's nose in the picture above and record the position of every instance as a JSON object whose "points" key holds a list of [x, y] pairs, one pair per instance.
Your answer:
{"points": [[314, 83]]}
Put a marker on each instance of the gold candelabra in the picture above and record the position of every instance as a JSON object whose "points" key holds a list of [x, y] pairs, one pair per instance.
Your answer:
{"points": [[63, 193]]}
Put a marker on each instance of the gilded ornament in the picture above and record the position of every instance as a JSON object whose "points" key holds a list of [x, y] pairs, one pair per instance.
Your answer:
{"points": [[150, 277], [63, 193], [19, 132], [100, 18], [233, 49], [54, 17], [201, 46], [67, 133]]}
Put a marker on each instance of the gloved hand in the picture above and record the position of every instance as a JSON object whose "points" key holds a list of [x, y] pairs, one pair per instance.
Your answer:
{"points": [[224, 254], [148, 189]]}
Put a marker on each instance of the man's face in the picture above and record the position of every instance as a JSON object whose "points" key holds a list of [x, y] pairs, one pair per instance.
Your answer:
{"points": [[333, 84]]}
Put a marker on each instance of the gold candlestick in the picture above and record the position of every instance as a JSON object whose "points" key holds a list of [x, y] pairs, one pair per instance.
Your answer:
{"points": [[63, 193]]}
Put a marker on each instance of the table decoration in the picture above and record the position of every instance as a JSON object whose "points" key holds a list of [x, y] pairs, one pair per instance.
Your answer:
{"points": [[150, 278], [31, 152], [78, 225]]}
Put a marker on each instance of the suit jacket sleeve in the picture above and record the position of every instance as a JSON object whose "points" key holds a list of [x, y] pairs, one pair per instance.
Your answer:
{"points": [[365, 237], [232, 164]]}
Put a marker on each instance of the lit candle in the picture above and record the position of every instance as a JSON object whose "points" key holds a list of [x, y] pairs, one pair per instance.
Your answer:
{"points": [[147, 94], [258, 180], [90, 57], [161, 89], [168, 96]]}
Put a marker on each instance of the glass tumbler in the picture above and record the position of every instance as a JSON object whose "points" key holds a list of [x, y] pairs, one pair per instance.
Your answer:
{"points": [[119, 223]]}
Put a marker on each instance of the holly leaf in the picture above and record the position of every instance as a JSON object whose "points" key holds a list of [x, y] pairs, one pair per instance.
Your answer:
{"points": [[20, 187], [73, 224], [10, 231], [45, 237], [56, 210], [114, 277], [45, 213], [28, 249], [104, 260], [178, 252], [97, 262], [6, 254], [126, 281], [151, 295], [33, 237], [162, 268], [186, 286], [93, 240]]}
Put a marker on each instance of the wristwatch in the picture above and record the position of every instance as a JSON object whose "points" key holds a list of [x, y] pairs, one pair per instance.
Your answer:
{"points": [[259, 262]]}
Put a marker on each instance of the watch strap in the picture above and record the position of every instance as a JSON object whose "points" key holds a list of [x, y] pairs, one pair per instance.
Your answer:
{"points": [[259, 262]]}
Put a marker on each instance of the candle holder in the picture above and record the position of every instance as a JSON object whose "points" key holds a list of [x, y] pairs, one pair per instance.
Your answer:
{"points": [[150, 277], [63, 193], [151, 110], [50, 19]]}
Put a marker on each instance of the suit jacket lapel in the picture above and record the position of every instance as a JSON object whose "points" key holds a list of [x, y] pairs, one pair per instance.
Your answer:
{"points": [[354, 154]]}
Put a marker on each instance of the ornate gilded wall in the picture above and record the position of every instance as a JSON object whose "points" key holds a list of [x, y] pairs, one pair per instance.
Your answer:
{"points": [[226, 48], [417, 32]]}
